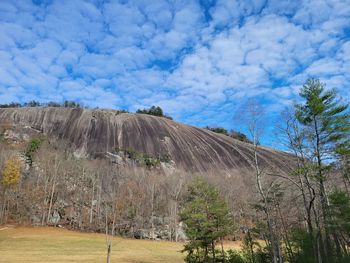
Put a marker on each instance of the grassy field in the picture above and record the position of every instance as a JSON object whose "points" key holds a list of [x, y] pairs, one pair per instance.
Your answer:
{"points": [[60, 245], [25, 244]]}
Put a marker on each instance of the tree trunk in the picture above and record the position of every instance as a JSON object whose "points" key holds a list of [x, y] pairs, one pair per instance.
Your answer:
{"points": [[222, 249], [51, 200], [3, 208], [213, 251], [152, 211], [274, 245], [108, 238], [109, 248], [323, 194], [92, 201]]}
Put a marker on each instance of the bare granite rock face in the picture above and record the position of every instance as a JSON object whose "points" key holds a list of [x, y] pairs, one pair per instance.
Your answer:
{"points": [[92, 132]]}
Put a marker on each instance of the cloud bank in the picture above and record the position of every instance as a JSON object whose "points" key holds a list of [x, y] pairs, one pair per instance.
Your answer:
{"points": [[198, 60]]}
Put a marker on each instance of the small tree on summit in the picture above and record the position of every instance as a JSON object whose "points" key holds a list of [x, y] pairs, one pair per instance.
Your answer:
{"points": [[71, 104], [154, 110], [217, 130], [32, 103]]}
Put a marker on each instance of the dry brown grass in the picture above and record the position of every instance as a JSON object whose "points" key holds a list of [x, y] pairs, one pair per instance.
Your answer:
{"points": [[59, 245], [26, 244]]}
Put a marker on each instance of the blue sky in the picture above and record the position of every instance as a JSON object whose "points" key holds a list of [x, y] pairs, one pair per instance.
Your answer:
{"points": [[198, 60]]}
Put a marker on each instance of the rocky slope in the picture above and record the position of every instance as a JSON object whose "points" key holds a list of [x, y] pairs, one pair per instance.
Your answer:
{"points": [[96, 132]]}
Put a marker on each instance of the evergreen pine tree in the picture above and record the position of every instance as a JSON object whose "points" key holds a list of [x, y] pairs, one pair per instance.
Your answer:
{"points": [[207, 220], [325, 120]]}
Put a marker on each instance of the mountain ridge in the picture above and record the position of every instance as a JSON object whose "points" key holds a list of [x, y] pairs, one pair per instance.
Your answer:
{"points": [[92, 131]]}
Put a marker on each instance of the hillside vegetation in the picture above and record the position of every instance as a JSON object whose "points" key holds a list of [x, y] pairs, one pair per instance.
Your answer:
{"points": [[148, 177]]}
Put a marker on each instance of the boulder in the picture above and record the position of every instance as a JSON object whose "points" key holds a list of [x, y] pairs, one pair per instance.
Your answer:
{"points": [[54, 217]]}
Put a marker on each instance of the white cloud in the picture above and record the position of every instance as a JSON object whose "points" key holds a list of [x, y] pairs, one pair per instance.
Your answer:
{"points": [[172, 53], [6, 78], [324, 67]]}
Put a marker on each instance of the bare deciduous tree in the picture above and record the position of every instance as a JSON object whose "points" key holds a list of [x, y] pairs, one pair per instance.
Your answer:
{"points": [[252, 116]]}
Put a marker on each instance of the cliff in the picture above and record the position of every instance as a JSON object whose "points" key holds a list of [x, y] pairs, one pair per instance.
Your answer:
{"points": [[95, 132]]}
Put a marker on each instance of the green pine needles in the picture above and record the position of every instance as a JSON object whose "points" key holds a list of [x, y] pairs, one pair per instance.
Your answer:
{"points": [[207, 221]]}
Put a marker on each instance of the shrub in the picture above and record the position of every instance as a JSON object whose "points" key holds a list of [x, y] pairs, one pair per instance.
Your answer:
{"points": [[11, 173], [32, 147], [142, 158], [220, 130], [240, 136], [32, 103], [155, 111], [53, 104], [234, 134], [11, 105], [233, 256], [71, 104]]}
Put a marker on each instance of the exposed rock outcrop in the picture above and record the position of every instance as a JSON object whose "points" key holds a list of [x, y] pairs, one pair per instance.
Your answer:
{"points": [[92, 132]]}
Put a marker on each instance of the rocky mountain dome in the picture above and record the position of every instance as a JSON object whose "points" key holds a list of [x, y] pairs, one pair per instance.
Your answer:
{"points": [[95, 132]]}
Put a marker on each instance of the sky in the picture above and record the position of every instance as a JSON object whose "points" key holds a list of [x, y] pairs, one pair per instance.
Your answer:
{"points": [[199, 60]]}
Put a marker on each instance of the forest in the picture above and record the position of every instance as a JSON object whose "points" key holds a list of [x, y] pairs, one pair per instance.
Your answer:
{"points": [[300, 217]]}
